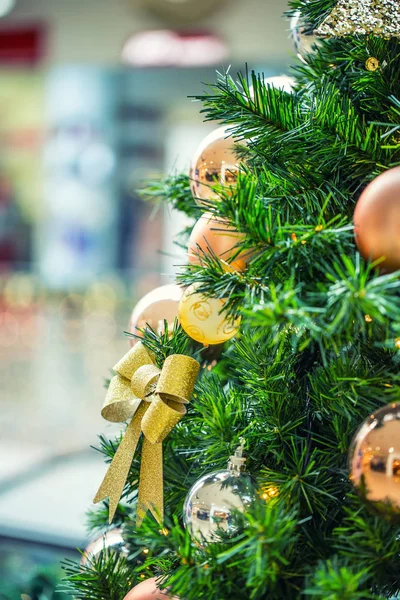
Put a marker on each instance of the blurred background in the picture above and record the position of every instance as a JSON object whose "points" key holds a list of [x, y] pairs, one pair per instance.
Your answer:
{"points": [[93, 101]]}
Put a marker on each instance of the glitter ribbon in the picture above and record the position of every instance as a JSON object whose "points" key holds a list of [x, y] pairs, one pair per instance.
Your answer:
{"points": [[155, 401]]}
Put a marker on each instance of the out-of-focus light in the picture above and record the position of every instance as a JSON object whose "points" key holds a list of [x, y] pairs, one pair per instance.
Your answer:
{"points": [[9, 329], [270, 492], [99, 328], [97, 163], [6, 6], [19, 290], [163, 47], [100, 295]]}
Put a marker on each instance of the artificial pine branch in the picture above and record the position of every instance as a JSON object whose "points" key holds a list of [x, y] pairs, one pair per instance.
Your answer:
{"points": [[105, 577]]}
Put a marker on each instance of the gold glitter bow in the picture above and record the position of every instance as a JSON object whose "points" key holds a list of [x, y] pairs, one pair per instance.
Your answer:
{"points": [[155, 400]]}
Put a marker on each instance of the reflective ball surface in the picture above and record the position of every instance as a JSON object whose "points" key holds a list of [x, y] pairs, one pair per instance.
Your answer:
{"points": [[149, 590], [375, 460], [210, 505], [377, 220], [111, 541], [281, 82], [158, 305], [213, 235], [303, 39], [202, 319], [214, 162]]}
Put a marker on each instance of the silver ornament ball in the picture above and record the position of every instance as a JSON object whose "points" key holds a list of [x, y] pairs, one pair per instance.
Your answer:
{"points": [[303, 39], [211, 504], [111, 541]]}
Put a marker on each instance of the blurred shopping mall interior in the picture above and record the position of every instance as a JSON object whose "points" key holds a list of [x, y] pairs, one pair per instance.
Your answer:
{"points": [[93, 102]]}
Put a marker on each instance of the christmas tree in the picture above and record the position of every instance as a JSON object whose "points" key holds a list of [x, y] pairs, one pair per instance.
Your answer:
{"points": [[309, 310]]}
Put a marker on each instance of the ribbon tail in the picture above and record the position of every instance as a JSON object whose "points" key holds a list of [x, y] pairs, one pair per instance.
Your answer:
{"points": [[114, 481], [151, 489]]}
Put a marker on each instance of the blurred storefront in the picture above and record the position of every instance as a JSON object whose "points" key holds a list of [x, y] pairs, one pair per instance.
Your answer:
{"points": [[93, 102]]}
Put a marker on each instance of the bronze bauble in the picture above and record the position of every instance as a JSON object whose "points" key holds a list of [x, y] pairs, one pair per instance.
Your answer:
{"points": [[215, 162], [216, 236], [158, 305], [375, 460], [377, 220], [148, 590]]}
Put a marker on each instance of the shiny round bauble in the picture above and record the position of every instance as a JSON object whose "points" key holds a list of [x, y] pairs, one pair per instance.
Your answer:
{"points": [[148, 590], [374, 459], [377, 220], [214, 162], [216, 236], [202, 319], [211, 504], [304, 40], [159, 304], [281, 82], [111, 541]]}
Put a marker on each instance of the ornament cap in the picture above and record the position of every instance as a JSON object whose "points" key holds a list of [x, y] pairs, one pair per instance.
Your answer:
{"points": [[237, 461]]}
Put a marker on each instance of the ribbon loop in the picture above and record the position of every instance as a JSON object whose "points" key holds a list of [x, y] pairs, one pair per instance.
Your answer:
{"points": [[144, 380], [178, 377], [119, 404], [132, 360], [155, 401]]}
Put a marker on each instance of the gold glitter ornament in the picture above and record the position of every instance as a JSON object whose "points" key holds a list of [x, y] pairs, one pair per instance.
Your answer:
{"points": [[372, 64], [362, 17], [202, 319], [374, 459], [154, 399]]}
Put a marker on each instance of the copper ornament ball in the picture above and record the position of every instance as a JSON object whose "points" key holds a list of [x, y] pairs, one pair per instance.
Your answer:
{"points": [[374, 459], [159, 304], [148, 590], [215, 235], [377, 220], [214, 162]]}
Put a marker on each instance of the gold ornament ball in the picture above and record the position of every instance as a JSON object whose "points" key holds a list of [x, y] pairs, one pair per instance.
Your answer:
{"points": [[214, 235], [159, 304], [148, 590], [374, 459], [111, 541], [202, 319], [377, 220], [215, 161]]}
